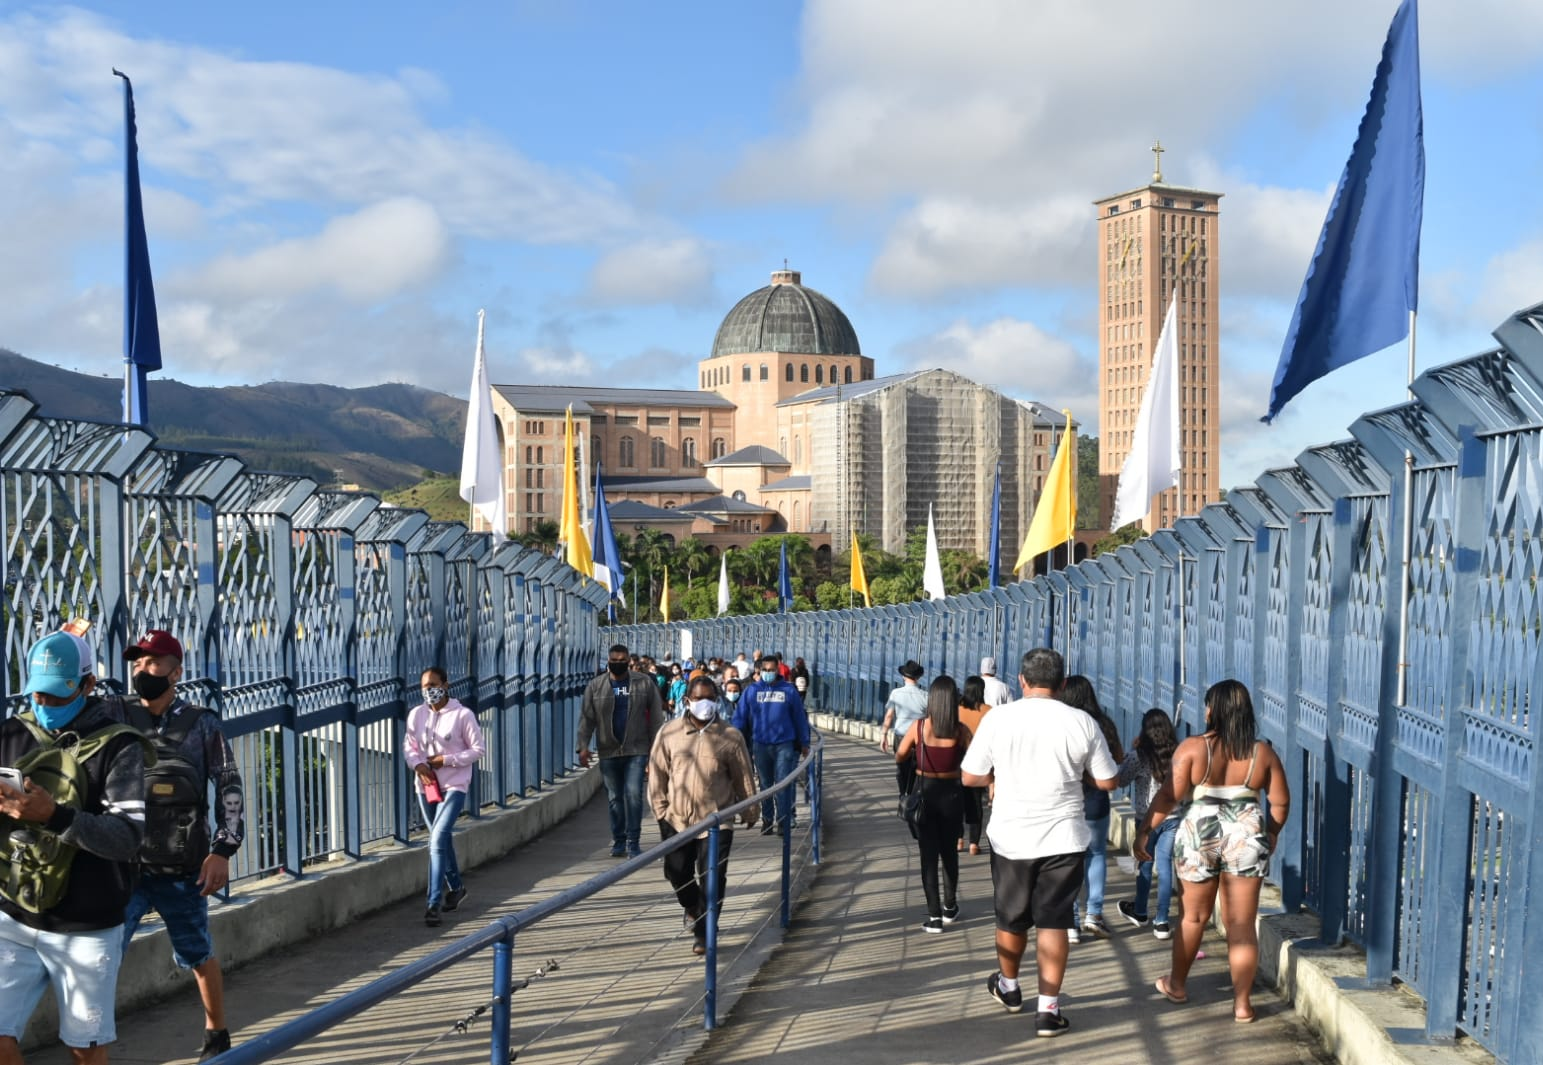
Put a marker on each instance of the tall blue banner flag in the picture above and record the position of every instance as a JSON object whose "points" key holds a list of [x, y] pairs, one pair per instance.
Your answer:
{"points": [[141, 331], [784, 582], [1363, 282], [994, 558]]}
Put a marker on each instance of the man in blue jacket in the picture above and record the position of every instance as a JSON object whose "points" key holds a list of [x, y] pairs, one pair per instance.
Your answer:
{"points": [[771, 715]]}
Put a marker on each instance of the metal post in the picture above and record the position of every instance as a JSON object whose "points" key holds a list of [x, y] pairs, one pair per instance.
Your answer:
{"points": [[503, 991], [710, 1003], [816, 804], [787, 859]]}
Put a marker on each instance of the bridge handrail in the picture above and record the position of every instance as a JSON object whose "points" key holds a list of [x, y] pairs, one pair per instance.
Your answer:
{"points": [[501, 933]]}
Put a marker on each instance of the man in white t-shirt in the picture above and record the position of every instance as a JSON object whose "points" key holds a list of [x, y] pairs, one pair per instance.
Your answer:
{"points": [[1036, 752], [997, 693]]}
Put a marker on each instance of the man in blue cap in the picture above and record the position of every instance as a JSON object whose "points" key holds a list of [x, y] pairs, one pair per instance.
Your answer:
{"points": [[70, 938]]}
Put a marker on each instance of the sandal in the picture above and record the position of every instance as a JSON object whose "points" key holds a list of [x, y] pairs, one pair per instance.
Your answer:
{"points": [[1162, 989], [1242, 1019]]}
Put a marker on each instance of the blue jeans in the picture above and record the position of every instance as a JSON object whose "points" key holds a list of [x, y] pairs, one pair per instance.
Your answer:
{"points": [[444, 870], [623, 778], [183, 909], [773, 761], [1096, 865], [1160, 846]]}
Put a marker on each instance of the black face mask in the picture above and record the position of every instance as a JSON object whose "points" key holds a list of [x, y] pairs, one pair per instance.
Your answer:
{"points": [[618, 669], [150, 687]]}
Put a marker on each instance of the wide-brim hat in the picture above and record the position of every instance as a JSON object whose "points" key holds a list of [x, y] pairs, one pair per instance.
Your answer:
{"points": [[912, 670]]}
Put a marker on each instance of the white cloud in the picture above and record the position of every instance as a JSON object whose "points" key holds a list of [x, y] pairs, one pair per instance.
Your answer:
{"points": [[1512, 280], [368, 256], [672, 271], [1015, 357]]}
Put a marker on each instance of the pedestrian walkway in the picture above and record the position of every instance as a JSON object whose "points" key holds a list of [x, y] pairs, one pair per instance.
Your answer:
{"points": [[854, 981]]}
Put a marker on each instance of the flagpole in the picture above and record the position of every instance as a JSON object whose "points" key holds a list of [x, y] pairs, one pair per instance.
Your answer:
{"points": [[1408, 541]]}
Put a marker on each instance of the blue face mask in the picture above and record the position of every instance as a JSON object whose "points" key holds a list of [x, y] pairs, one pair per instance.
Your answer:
{"points": [[54, 718], [732, 697], [769, 676]]}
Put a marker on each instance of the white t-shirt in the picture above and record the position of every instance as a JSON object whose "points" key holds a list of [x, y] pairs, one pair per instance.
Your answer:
{"points": [[1038, 748], [744, 667], [997, 693]]}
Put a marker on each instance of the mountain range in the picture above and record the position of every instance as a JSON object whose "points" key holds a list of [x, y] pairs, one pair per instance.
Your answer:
{"points": [[379, 437]]}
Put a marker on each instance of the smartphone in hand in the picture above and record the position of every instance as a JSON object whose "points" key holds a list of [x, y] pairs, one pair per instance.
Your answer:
{"points": [[11, 778]]}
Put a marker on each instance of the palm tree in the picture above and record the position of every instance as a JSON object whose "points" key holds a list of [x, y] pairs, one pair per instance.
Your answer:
{"points": [[692, 556], [541, 537]]}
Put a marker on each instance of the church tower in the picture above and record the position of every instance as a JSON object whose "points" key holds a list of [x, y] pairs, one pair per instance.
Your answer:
{"points": [[1155, 240]]}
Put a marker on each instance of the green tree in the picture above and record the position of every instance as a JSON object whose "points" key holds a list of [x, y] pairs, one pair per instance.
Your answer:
{"points": [[1089, 499], [541, 537], [829, 595], [1125, 534], [692, 557]]}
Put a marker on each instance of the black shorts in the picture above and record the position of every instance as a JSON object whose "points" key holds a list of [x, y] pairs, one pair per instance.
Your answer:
{"points": [[1035, 892]]}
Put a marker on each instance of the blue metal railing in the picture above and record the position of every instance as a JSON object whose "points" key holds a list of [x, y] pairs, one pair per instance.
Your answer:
{"points": [[500, 935]]}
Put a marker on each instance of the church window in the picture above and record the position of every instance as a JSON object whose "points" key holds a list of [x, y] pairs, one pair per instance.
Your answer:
{"points": [[744, 372], [626, 457], [656, 452], [798, 519], [540, 452], [765, 375], [798, 449], [597, 444], [688, 452], [803, 372], [849, 375], [819, 375], [789, 372]]}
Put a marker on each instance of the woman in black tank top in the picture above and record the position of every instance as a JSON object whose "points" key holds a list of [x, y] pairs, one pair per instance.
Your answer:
{"points": [[939, 741]]}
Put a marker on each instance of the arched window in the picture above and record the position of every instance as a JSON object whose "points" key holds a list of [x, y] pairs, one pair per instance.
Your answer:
{"points": [[798, 515], [626, 457], [765, 374], [540, 456], [782, 446], [656, 452], [744, 373], [849, 375], [798, 449], [528, 453], [688, 452], [819, 374], [596, 448], [803, 372], [833, 374], [720, 447], [789, 372]]}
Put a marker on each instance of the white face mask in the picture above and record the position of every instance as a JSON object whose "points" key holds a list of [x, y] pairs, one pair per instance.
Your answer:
{"points": [[703, 709]]}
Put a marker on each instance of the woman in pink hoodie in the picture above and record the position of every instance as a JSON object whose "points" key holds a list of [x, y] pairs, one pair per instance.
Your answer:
{"points": [[444, 744]]}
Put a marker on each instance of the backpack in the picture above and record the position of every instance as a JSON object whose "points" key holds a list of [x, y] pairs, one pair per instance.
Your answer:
{"points": [[34, 862], [176, 795]]}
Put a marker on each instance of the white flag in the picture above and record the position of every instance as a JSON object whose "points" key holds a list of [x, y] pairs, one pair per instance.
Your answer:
{"points": [[932, 569], [723, 585], [482, 466], [1153, 464]]}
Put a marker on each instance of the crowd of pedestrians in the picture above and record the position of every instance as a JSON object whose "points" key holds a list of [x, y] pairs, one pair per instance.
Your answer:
{"points": [[1038, 773]]}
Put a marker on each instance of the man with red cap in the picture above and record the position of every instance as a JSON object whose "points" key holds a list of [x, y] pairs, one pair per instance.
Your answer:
{"points": [[181, 863]]}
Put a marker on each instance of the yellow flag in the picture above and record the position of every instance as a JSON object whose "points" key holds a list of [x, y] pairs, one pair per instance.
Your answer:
{"points": [[571, 528], [1055, 518], [664, 600], [859, 578]]}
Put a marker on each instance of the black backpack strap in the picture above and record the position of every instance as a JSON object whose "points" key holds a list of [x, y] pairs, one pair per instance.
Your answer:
{"points": [[183, 724]]}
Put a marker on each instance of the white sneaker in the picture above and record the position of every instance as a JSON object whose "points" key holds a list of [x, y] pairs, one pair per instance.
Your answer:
{"points": [[1072, 935]]}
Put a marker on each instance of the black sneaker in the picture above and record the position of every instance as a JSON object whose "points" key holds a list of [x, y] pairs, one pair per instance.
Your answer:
{"points": [[1049, 1024], [1162, 930], [1012, 1000], [618, 850], [454, 899], [431, 917], [1128, 911], [767, 829], [216, 1042], [932, 924], [951, 913]]}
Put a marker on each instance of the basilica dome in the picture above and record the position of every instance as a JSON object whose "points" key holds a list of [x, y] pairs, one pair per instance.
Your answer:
{"points": [[785, 316]]}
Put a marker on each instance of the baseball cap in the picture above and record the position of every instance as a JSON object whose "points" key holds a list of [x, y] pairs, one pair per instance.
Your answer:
{"points": [[155, 642], [56, 663], [988, 664]]}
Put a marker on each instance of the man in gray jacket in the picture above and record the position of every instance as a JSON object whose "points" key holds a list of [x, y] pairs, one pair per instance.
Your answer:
{"points": [[622, 713]]}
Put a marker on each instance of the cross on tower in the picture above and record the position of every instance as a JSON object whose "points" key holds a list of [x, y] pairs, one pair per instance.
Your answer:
{"points": [[1157, 161]]}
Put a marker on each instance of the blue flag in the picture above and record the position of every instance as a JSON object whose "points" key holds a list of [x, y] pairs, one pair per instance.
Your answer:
{"points": [[606, 558], [141, 331], [1363, 282], [784, 582], [994, 558]]}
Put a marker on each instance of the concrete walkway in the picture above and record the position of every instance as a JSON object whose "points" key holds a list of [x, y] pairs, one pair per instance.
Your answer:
{"points": [[857, 981], [854, 981]]}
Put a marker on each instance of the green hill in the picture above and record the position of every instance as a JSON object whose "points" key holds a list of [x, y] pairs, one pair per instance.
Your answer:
{"points": [[379, 437], [439, 496]]}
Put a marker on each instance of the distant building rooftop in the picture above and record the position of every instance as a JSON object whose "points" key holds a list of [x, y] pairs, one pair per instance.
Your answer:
{"points": [[555, 398], [801, 483], [632, 510], [697, 485], [754, 455]]}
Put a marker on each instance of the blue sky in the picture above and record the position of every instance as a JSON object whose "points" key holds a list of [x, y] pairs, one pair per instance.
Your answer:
{"points": [[331, 194]]}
